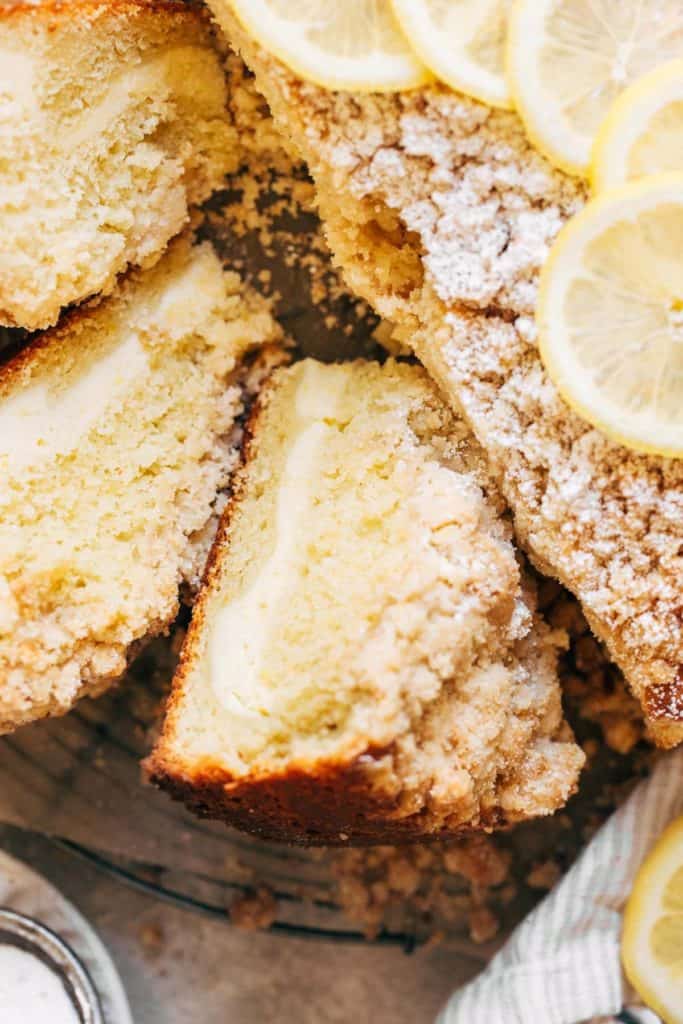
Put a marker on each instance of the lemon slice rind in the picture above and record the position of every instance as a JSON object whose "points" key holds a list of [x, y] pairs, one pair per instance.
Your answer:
{"points": [[650, 979], [447, 58], [377, 70], [564, 267], [629, 119]]}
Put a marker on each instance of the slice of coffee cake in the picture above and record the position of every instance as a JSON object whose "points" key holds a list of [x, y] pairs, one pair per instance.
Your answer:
{"points": [[113, 122], [364, 663], [441, 214], [117, 434]]}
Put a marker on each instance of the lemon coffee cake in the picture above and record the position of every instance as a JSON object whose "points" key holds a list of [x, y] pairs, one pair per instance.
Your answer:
{"points": [[117, 435], [105, 147], [364, 663]]}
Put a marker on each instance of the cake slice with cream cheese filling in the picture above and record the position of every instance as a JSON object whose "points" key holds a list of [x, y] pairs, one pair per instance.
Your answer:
{"points": [[365, 663]]}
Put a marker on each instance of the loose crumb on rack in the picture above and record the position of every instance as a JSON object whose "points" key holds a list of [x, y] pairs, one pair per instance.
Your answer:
{"points": [[151, 938], [255, 910], [427, 886], [544, 875]]}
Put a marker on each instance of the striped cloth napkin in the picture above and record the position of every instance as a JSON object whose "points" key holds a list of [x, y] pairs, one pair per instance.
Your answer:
{"points": [[562, 964]]}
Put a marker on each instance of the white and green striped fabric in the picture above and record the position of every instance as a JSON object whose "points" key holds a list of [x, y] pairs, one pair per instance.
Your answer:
{"points": [[562, 965]]}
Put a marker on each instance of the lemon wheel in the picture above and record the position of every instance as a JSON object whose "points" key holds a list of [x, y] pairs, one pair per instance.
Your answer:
{"points": [[568, 60], [643, 132], [652, 939], [610, 314], [462, 42]]}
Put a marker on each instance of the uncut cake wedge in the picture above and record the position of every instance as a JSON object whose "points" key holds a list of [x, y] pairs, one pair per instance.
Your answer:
{"points": [[117, 435], [364, 663], [114, 122], [442, 214]]}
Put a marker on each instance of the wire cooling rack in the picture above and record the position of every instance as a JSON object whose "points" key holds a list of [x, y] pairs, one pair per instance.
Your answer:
{"points": [[213, 904]]}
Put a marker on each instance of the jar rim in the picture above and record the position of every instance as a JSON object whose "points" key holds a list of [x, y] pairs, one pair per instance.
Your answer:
{"points": [[24, 932]]}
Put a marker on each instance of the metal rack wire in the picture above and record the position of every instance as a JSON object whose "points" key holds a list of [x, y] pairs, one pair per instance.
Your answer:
{"points": [[129, 876]]}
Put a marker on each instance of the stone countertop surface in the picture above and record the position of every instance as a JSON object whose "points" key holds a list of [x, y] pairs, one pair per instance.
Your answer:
{"points": [[181, 968]]}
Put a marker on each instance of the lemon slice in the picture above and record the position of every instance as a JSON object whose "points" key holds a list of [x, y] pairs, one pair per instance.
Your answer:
{"points": [[643, 132], [568, 60], [354, 44], [462, 42], [652, 940], [610, 314]]}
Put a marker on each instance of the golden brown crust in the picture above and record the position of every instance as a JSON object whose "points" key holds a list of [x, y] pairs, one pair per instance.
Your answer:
{"points": [[12, 368], [329, 805], [190, 648], [54, 11]]}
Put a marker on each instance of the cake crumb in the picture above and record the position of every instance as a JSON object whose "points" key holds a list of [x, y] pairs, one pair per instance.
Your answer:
{"points": [[254, 910], [478, 860], [544, 875], [483, 925], [430, 885], [151, 938]]}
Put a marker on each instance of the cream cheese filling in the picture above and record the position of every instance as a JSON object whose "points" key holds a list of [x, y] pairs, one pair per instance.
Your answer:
{"points": [[40, 423], [174, 68], [18, 73], [240, 629]]}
